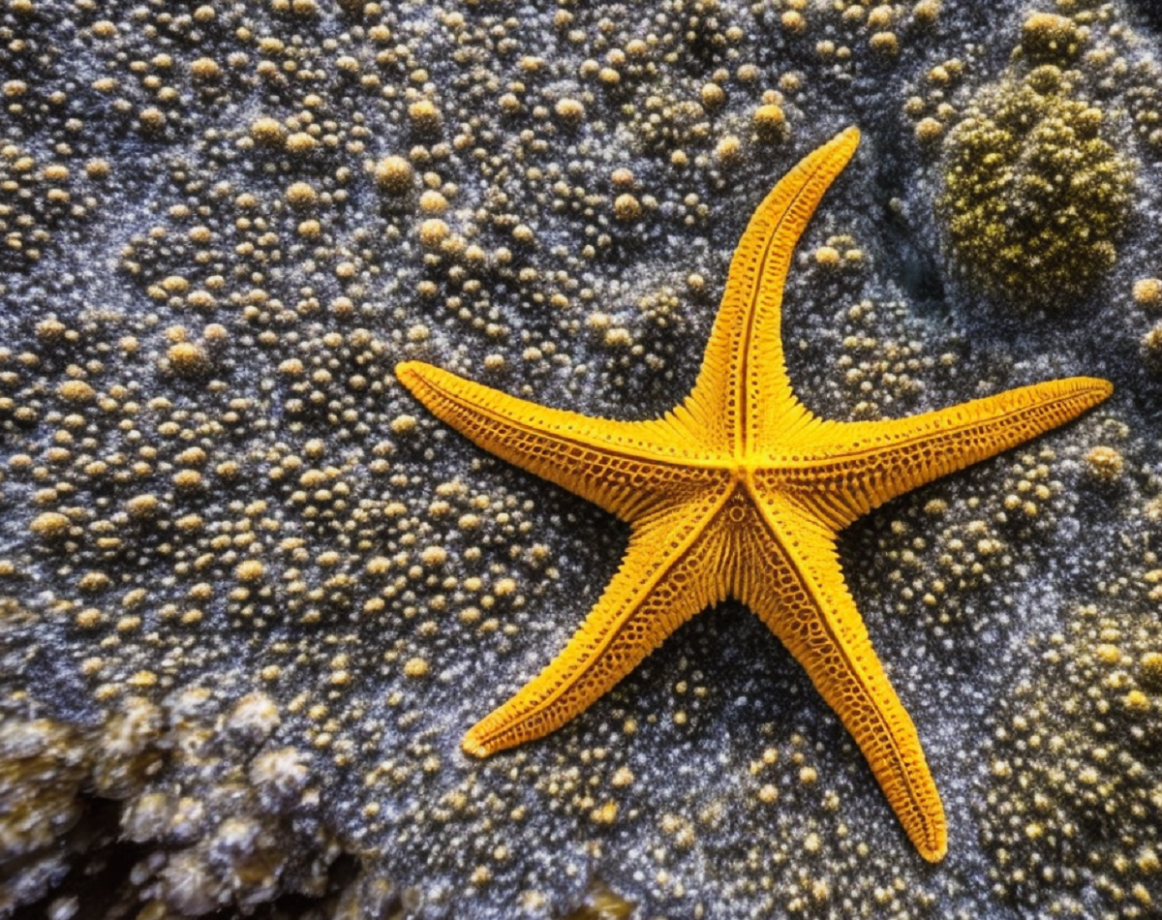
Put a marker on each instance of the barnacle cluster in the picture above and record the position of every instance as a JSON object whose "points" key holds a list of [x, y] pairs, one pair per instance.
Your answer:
{"points": [[1073, 782]]}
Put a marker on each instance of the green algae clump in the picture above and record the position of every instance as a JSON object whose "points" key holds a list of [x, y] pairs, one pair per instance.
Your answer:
{"points": [[1034, 196]]}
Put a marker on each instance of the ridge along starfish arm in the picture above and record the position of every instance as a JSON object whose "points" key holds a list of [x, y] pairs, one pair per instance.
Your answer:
{"points": [[740, 492]]}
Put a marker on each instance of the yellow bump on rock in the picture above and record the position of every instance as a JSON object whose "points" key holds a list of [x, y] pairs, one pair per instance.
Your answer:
{"points": [[76, 391], [187, 359], [1148, 292], [433, 232], [267, 131], [394, 174], [627, 208], [570, 111], [424, 114], [769, 120], [50, 526], [249, 570], [1105, 462], [301, 195]]}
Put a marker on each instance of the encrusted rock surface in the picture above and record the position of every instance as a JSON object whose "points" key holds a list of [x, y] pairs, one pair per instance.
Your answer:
{"points": [[253, 594]]}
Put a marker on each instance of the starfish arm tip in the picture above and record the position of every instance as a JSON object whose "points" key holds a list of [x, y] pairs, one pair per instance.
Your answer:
{"points": [[407, 371], [1096, 389], [935, 854], [472, 745]]}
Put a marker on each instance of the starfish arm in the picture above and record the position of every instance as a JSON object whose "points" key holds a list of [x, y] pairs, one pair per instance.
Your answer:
{"points": [[842, 470], [624, 467], [743, 390], [669, 573], [796, 587]]}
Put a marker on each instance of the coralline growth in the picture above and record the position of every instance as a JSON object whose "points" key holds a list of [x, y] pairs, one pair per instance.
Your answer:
{"points": [[1036, 191]]}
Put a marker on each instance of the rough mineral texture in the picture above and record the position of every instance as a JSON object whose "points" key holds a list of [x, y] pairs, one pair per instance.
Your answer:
{"points": [[252, 595]]}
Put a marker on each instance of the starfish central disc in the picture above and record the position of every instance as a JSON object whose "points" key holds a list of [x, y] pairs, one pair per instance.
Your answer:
{"points": [[741, 492]]}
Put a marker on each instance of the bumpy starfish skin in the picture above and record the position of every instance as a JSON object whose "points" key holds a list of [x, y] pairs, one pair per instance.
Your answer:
{"points": [[740, 492]]}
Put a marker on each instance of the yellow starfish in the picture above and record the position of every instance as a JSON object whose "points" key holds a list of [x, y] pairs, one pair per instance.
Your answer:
{"points": [[741, 492]]}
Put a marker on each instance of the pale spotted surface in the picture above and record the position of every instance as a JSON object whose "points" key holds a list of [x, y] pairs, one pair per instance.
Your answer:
{"points": [[256, 594]]}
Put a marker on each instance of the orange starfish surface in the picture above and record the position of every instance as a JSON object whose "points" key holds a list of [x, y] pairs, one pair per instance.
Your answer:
{"points": [[741, 492]]}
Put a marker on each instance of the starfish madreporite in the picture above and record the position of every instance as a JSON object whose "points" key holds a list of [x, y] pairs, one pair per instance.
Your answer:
{"points": [[740, 492]]}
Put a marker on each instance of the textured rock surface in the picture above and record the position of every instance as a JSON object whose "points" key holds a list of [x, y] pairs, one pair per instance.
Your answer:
{"points": [[254, 595]]}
